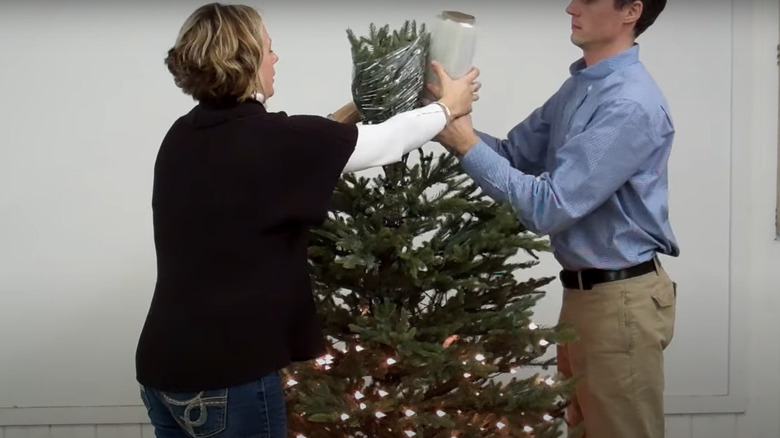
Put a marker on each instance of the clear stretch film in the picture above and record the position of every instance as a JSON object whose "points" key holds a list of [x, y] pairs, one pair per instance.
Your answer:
{"points": [[453, 43]]}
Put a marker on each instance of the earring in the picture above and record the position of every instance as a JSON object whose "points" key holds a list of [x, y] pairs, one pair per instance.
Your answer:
{"points": [[258, 97]]}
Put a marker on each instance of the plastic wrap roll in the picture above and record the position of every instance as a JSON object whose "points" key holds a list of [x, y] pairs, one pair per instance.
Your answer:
{"points": [[453, 44]]}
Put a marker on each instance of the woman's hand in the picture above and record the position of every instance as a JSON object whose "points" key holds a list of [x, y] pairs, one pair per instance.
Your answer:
{"points": [[348, 114], [455, 94]]}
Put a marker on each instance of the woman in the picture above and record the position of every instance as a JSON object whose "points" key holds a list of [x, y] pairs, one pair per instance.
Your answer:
{"points": [[236, 189]]}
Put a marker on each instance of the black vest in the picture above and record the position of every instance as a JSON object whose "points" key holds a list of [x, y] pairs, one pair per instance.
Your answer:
{"points": [[236, 189]]}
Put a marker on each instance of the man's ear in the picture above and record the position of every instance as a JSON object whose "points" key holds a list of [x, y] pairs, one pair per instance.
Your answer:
{"points": [[632, 12]]}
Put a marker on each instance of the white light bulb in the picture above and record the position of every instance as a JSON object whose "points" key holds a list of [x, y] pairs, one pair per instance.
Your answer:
{"points": [[409, 412], [533, 326], [291, 382], [441, 413], [358, 395], [344, 417], [500, 425], [410, 433], [391, 361], [479, 357], [380, 415], [513, 371], [528, 429], [362, 406], [547, 417], [382, 393], [544, 343], [550, 381], [467, 375], [359, 348]]}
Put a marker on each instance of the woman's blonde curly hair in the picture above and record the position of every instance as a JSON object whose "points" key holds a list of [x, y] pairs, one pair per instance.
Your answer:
{"points": [[218, 53]]}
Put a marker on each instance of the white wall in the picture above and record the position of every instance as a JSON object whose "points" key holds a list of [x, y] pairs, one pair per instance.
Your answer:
{"points": [[86, 100]]}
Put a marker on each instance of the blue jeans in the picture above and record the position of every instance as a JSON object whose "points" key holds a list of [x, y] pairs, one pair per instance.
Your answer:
{"points": [[252, 410]]}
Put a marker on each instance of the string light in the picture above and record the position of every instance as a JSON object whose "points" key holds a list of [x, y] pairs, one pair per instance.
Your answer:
{"points": [[533, 326], [450, 340], [327, 360]]}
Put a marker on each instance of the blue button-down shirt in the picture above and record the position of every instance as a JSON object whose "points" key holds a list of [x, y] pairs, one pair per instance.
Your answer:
{"points": [[589, 167]]}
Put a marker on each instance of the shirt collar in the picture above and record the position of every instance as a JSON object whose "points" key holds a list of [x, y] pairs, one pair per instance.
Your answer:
{"points": [[216, 112], [606, 66]]}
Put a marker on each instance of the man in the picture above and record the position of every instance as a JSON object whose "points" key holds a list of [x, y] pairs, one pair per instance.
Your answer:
{"points": [[589, 168]]}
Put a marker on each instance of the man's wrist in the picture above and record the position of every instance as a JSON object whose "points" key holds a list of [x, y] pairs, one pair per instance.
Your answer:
{"points": [[464, 144]]}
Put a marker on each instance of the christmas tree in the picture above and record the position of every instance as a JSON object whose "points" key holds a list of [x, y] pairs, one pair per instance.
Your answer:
{"points": [[431, 331]]}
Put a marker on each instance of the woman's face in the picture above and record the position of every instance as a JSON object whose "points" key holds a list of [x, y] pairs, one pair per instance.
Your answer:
{"points": [[267, 66]]}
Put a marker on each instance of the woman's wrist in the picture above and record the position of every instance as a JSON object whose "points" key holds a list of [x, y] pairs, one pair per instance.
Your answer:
{"points": [[446, 109]]}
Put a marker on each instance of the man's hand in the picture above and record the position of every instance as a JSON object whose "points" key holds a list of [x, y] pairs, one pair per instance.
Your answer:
{"points": [[458, 136]]}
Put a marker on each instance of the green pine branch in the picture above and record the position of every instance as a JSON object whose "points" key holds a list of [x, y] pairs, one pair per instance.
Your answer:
{"points": [[417, 281]]}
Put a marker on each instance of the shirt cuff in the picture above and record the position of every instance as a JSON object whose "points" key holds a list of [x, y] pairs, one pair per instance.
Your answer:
{"points": [[480, 162]]}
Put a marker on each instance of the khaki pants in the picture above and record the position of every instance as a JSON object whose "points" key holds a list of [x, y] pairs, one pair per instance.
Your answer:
{"points": [[623, 328]]}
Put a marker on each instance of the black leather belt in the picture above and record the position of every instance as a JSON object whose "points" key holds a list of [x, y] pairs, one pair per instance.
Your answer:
{"points": [[587, 278]]}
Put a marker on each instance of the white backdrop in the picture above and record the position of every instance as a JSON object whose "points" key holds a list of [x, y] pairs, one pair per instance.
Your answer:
{"points": [[85, 100]]}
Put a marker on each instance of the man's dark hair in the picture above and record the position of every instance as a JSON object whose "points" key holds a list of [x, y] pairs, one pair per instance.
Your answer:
{"points": [[651, 9]]}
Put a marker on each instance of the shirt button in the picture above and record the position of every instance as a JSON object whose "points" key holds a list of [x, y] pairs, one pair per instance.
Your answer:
{"points": [[590, 87]]}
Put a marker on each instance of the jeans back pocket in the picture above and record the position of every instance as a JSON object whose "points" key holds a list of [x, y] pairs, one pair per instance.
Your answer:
{"points": [[201, 414]]}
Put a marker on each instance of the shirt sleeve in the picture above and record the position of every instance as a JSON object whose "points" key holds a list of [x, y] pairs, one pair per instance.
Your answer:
{"points": [[387, 142], [526, 144], [316, 153], [588, 169]]}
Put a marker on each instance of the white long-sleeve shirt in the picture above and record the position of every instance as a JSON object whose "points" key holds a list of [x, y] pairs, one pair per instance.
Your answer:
{"points": [[387, 142]]}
